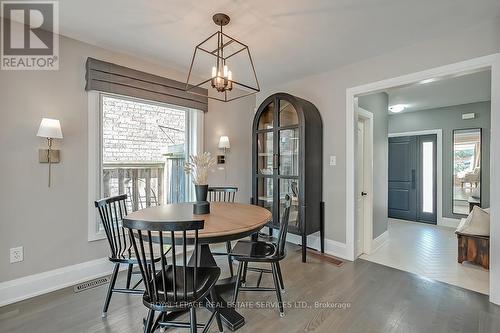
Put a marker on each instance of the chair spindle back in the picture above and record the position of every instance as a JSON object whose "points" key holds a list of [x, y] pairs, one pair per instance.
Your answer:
{"points": [[284, 225], [112, 210], [161, 277], [221, 193]]}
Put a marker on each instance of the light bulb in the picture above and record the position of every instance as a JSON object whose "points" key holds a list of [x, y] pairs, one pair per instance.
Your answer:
{"points": [[229, 75], [397, 108], [214, 71], [225, 71]]}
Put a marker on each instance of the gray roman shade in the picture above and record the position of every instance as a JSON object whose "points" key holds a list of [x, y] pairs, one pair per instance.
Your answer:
{"points": [[111, 78]]}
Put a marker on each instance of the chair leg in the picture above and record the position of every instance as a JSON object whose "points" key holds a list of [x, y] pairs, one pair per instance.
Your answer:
{"points": [[192, 319], [129, 275], [229, 259], [110, 290], [213, 296], [238, 282], [244, 277], [280, 276], [148, 324], [278, 291]]}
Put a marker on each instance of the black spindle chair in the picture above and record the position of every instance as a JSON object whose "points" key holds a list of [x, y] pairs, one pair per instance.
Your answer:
{"points": [[173, 286], [263, 252], [225, 194], [112, 210]]}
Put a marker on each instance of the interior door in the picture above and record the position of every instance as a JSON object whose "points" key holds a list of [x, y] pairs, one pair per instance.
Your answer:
{"points": [[360, 189], [402, 178]]}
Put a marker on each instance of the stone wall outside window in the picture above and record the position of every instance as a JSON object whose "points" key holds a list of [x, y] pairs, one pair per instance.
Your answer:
{"points": [[131, 133]]}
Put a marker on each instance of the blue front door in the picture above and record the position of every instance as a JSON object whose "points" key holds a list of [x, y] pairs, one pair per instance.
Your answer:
{"points": [[402, 178], [412, 178]]}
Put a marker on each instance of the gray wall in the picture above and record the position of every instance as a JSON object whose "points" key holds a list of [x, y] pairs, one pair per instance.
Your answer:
{"points": [[233, 119], [448, 119], [378, 104], [51, 223], [328, 92]]}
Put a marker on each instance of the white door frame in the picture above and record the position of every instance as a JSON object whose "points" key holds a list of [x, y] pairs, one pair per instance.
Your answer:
{"points": [[367, 117], [487, 62], [439, 167]]}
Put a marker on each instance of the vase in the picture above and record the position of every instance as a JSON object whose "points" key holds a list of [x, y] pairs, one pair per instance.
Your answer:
{"points": [[201, 206]]}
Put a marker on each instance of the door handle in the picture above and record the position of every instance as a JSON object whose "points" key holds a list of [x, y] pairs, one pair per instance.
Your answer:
{"points": [[413, 178], [364, 194], [275, 161]]}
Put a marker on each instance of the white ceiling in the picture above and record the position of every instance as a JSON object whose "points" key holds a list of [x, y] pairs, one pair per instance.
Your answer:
{"points": [[288, 38], [464, 89]]}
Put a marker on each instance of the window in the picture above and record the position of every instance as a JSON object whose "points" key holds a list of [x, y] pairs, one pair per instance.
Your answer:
{"points": [[142, 147], [428, 177]]}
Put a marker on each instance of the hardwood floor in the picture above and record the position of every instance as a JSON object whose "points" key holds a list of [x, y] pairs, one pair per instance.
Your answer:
{"points": [[368, 297]]}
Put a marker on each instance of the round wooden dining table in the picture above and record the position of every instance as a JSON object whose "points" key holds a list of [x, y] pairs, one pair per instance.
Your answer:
{"points": [[226, 222]]}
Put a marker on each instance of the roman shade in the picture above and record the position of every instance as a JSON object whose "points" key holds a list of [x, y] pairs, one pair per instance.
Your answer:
{"points": [[112, 78]]}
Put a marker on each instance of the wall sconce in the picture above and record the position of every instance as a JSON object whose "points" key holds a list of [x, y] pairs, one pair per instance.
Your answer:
{"points": [[49, 129], [223, 144]]}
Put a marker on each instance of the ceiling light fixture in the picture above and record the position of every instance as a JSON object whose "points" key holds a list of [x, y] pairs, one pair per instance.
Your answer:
{"points": [[222, 55], [428, 81], [397, 108]]}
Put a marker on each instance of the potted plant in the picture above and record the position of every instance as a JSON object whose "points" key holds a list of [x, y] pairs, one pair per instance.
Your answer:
{"points": [[198, 167]]}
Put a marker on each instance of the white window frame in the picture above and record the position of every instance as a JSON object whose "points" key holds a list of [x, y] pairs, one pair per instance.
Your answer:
{"points": [[194, 143]]}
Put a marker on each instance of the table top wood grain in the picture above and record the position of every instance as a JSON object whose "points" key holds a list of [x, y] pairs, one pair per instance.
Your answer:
{"points": [[226, 220]]}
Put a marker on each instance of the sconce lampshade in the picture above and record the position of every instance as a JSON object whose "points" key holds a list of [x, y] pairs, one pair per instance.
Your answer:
{"points": [[50, 128], [224, 142]]}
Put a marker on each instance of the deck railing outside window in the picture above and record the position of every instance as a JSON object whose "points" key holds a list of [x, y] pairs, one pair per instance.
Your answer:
{"points": [[147, 184]]}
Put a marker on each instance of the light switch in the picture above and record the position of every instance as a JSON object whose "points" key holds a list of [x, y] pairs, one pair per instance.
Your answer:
{"points": [[333, 160]]}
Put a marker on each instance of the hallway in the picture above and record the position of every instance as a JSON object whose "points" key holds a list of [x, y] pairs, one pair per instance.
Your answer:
{"points": [[429, 251]]}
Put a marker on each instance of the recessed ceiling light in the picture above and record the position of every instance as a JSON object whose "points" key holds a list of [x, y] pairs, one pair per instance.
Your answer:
{"points": [[397, 108], [428, 81]]}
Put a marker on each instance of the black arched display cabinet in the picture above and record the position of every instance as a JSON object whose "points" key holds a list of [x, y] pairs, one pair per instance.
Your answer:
{"points": [[287, 158]]}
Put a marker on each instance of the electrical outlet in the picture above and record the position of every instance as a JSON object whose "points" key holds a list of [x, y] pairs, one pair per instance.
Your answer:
{"points": [[333, 160], [16, 254]]}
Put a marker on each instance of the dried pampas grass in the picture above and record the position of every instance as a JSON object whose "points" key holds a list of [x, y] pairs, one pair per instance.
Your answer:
{"points": [[199, 166]]}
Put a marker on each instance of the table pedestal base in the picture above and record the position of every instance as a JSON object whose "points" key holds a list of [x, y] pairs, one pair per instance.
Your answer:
{"points": [[230, 317]]}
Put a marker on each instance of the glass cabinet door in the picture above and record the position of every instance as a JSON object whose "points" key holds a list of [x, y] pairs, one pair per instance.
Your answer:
{"points": [[266, 120], [288, 176], [288, 114], [277, 162], [265, 192], [288, 140], [289, 152], [265, 153]]}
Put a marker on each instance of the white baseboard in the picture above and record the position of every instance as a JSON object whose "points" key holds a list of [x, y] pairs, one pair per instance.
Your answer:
{"points": [[449, 222], [37, 284], [379, 241], [333, 248]]}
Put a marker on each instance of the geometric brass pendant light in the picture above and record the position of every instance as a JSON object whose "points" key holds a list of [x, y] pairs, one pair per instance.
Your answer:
{"points": [[225, 66]]}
